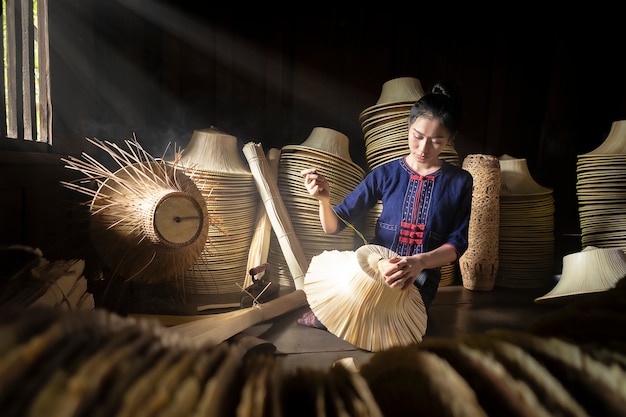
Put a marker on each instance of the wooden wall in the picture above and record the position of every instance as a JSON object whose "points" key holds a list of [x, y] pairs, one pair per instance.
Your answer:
{"points": [[543, 89]]}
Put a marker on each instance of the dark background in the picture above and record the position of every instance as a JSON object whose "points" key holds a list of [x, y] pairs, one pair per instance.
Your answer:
{"points": [[544, 88]]}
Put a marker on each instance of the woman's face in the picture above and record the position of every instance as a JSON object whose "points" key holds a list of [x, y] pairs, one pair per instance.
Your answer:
{"points": [[427, 138]]}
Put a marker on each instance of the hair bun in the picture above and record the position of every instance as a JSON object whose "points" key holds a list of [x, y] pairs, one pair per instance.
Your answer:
{"points": [[446, 88], [439, 88]]}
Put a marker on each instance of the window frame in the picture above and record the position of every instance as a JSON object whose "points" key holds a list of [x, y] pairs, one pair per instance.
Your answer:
{"points": [[26, 107]]}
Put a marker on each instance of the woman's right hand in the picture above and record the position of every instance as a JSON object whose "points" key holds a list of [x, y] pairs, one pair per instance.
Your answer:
{"points": [[316, 184]]}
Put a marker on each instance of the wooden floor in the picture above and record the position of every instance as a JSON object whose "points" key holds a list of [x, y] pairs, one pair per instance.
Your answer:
{"points": [[456, 311]]}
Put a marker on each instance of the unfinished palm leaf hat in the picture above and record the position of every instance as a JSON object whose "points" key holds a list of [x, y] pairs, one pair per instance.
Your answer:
{"points": [[347, 292], [589, 271]]}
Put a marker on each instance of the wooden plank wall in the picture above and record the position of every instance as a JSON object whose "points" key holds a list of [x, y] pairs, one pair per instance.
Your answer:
{"points": [[37, 211], [161, 69]]}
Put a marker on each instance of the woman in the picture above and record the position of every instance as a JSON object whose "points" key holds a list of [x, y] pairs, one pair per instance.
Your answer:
{"points": [[426, 201]]}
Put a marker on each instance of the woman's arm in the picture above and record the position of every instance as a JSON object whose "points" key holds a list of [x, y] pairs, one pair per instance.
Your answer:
{"points": [[317, 185]]}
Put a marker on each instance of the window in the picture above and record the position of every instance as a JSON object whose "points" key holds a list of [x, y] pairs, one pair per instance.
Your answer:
{"points": [[26, 105]]}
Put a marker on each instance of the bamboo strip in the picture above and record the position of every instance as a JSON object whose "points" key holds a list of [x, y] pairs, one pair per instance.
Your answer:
{"points": [[216, 328], [279, 216]]}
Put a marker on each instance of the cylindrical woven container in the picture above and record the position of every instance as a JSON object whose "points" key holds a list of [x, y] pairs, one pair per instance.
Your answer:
{"points": [[479, 264]]}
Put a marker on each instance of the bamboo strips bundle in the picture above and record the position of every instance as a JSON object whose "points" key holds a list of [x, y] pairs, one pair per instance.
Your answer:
{"points": [[66, 286], [30, 280], [260, 244], [279, 216]]}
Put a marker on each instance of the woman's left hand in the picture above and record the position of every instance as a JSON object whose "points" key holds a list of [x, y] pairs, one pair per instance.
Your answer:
{"points": [[401, 272]]}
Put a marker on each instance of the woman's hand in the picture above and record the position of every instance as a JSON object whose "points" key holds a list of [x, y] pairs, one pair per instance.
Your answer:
{"points": [[402, 271], [316, 184]]}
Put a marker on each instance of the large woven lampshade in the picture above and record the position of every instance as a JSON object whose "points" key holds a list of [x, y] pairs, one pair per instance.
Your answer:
{"points": [[347, 292]]}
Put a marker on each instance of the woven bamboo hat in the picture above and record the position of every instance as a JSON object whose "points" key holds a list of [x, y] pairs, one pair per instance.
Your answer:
{"points": [[400, 89], [396, 97], [211, 149], [326, 142], [591, 270], [347, 292], [615, 141], [517, 179]]}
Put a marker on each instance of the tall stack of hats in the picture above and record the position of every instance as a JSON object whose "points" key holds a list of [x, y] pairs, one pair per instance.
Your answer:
{"points": [[526, 246], [327, 150], [212, 159], [385, 131], [601, 191]]}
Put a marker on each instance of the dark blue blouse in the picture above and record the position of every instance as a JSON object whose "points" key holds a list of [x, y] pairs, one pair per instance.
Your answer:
{"points": [[419, 213]]}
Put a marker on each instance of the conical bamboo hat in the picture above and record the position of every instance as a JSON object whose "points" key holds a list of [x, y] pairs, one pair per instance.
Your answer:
{"points": [[347, 292], [589, 271], [615, 142], [400, 89], [330, 141], [213, 150], [517, 179]]}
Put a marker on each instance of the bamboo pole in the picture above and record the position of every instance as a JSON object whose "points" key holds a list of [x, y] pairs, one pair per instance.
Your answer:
{"points": [[213, 329], [260, 245], [279, 216]]}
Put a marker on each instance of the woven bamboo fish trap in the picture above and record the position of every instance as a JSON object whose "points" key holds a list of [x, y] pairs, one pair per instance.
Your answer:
{"points": [[479, 264], [148, 219]]}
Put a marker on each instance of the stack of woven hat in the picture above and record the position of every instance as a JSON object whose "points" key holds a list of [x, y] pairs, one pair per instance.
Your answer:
{"points": [[601, 191], [526, 228], [327, 150], [214, 162]]}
